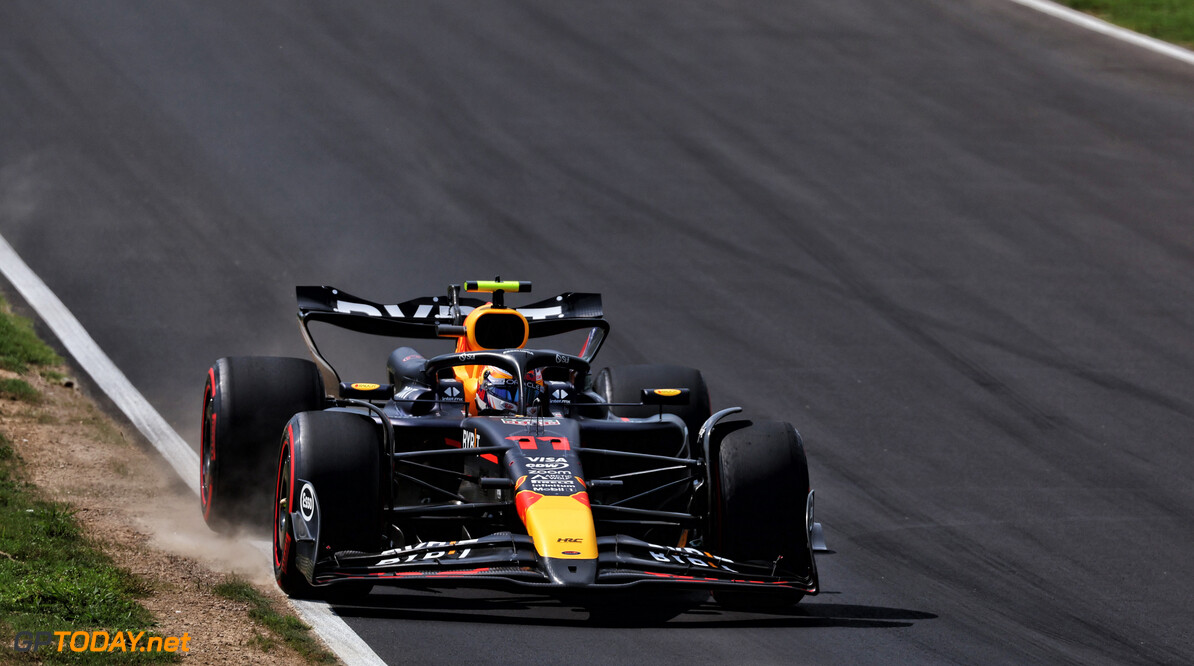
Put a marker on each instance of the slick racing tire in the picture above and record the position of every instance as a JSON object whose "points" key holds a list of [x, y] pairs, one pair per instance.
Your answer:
{"points": [[760, 486], [339, 455], [246, 402], [624, 383]]}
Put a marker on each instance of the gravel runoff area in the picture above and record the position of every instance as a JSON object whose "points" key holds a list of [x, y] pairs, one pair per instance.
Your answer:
{"points": [[134, 507]]}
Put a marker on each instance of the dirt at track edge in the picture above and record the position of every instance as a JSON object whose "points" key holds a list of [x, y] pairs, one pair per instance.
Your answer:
{"points": [[133, 506]]}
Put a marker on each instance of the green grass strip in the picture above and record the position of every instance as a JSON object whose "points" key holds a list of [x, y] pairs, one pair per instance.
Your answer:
{"points": [[19, 345], [52, 578], [287, 628], [18, 389], [1170, 20]]}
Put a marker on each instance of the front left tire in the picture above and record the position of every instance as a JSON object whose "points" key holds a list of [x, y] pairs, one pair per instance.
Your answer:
{"points": [[760, 484], [339, 455]]}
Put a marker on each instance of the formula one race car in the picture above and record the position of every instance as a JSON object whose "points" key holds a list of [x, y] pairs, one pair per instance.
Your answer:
{"points": [[501, 466]]}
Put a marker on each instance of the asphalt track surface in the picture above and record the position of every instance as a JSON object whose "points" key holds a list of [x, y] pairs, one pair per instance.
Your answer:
{"points": [[951, 241]]}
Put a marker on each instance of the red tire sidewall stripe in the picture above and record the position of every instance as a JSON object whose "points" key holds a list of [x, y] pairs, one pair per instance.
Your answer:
{"points": [[281, 556], [205, 491]]}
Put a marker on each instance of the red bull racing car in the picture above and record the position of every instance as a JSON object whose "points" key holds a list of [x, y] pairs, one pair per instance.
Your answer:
{"points": [[502, 464]]}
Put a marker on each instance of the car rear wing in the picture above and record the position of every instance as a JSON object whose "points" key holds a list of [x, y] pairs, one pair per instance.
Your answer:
{"points": [[432, 317]]}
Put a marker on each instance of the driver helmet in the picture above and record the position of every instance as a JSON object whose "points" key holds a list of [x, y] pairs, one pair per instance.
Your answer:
{"points": [[497, 391]]}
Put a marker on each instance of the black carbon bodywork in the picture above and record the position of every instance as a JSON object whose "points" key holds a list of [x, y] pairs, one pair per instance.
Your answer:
{"points": [[570, 498]]}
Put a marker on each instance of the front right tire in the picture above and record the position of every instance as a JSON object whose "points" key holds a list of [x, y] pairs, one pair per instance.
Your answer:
{"points": [[246, 402]]}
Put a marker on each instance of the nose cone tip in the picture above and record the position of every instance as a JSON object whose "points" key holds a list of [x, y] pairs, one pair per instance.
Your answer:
{"points": [[570, 573]]}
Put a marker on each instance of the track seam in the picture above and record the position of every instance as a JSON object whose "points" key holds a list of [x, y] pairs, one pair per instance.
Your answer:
{"points": [[335, 633], [1103, 27]]}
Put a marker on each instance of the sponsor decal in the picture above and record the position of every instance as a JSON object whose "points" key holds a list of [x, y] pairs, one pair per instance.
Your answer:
{"points": [[563, 540], [436, 550], [351, 307], [542, 313], [408, 393], [307, 502], [689, 557], [548, 459], [527, 421], [468, 357], [561, 359], [558, 482], [412, 357], [470, 439], [548, 474], [668, 393], [425, 310], [364, 386]]}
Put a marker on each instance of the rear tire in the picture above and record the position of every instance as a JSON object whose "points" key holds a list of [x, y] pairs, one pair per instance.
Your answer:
{"points": [[339, 454], [760, 485], [246, 402], [624, 383]]}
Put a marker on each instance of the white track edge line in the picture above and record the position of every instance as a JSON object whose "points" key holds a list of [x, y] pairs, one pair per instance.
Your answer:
{"points": [[92, 359], [348, 646], [336, 634], [1098, 25]]}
